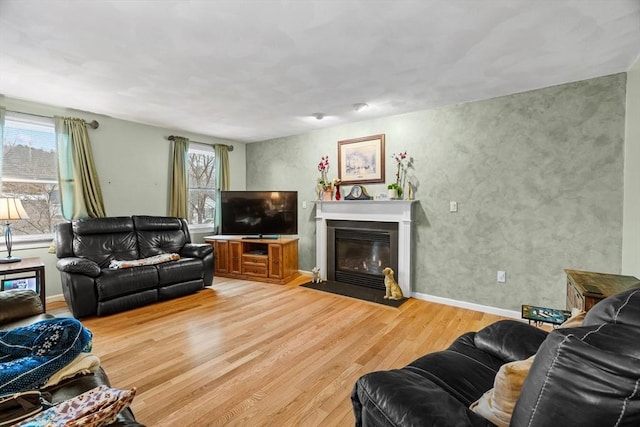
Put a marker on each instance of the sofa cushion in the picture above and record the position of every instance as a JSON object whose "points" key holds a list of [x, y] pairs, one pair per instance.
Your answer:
{"points": [[115, 283], [19, 303], [157, 235], [497, 404], [463, 377], [104, 239]]}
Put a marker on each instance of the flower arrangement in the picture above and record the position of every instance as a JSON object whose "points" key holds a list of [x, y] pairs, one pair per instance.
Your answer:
{"points": [[403, 162], [324, 181]]}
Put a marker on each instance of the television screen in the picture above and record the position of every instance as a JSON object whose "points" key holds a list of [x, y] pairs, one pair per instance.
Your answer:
{"points": [[21, 283], [259, 213]]}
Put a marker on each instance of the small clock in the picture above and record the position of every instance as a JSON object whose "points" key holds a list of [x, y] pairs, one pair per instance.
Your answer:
{"points": [[358, 192]]}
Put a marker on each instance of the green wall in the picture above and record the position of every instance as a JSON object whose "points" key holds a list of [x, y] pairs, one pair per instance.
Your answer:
{"points": [[538, 178], [631, 229]]}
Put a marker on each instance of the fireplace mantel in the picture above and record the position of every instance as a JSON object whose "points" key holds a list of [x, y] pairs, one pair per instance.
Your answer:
{"points": [[398, 211]]}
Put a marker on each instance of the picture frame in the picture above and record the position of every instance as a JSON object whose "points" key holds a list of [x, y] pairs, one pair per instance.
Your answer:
{"points": [[21, 283], [361, 160]]}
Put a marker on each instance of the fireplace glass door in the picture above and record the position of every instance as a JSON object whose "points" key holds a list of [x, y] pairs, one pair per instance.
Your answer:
{"points": [[358, 251]]}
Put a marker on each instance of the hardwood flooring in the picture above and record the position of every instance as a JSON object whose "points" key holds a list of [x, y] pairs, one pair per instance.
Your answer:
{"points": [[248, 353]]}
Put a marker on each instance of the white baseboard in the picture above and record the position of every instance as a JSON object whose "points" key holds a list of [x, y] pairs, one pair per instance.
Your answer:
{"points": [[55, 298], [462, 304], [468, 305]]}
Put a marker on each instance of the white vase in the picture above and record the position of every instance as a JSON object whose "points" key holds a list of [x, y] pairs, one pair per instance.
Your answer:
{"points": [[392, 193]]}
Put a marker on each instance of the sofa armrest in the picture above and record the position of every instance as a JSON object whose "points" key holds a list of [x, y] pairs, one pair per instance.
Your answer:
{"points": [[196, 250], [510, 340], [18, 304], [79, 266]]}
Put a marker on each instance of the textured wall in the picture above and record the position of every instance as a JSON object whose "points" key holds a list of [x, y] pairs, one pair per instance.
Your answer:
{"points": [[631, 228], [538, 177]]}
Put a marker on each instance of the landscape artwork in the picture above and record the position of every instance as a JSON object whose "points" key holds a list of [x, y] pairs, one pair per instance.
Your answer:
{"points": [[361, 159]]}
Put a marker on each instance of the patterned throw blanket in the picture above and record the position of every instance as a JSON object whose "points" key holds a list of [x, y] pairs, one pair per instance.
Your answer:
{"points": [[152, 260], [31, 354]]}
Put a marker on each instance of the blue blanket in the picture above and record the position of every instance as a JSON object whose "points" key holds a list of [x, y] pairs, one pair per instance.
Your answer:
{"points": [[29, 355]]}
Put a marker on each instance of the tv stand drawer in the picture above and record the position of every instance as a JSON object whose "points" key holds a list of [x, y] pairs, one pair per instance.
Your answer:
{"points": [[258, 260], [254, 270]]}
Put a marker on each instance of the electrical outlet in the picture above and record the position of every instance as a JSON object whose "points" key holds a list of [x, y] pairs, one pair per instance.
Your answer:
{"points": [[453, 206], [304, 204], [502, 276]]}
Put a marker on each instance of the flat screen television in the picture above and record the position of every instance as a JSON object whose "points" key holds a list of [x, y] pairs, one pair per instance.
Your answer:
{"points": [[262, 214]]}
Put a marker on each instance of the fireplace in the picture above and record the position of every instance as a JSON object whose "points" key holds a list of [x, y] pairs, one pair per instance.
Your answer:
{"points": [[358, 251], [396, 214]]}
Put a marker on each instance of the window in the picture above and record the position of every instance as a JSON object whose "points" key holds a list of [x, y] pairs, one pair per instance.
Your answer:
{"points": [[202, 184], [30, 172]]}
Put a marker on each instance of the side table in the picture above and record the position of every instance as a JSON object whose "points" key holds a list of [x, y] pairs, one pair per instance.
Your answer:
{"points": [[586, 288], [28, 265]]}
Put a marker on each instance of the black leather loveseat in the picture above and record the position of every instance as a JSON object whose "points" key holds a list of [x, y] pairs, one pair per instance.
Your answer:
{"points": [[23, 307], [87, 247], [581, 376]]}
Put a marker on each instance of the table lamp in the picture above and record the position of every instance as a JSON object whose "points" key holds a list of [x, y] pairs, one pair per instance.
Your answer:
{"points": [[10, 209]]}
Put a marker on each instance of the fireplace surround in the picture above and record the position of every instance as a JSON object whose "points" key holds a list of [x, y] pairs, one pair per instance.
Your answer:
{"points": [[396, 212]]}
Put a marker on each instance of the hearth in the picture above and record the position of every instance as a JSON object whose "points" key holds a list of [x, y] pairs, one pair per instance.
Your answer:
{"points": [[358, 251]]}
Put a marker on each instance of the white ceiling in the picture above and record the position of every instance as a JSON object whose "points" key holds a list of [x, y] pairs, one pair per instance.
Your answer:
{"points": [[250, 70]]}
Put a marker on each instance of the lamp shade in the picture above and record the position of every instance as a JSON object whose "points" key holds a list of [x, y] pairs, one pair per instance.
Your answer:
{"points": [[12, 209]]}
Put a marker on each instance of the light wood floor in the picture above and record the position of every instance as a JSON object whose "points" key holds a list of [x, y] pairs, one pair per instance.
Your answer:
{"points": [[255, 354]]}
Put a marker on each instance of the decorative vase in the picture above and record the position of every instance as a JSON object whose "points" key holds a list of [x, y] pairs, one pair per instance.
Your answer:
{"points": [[392, 193], [327, 195], [338, 196]]}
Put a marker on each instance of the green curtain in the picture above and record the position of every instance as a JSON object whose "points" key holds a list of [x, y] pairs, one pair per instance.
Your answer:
{"points": [[223, 178], [80, 192], [2, 112], [178, 197]]}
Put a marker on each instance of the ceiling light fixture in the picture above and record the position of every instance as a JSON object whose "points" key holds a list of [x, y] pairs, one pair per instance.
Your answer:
{"points": [[360, 106], [318, 116]]}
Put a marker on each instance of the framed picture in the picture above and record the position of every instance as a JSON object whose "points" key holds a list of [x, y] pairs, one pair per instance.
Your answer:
{"points": [[361, 159], [21, 283]]}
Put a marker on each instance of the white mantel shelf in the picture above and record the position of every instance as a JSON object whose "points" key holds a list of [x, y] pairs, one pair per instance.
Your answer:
{"points": [[398, 211]]}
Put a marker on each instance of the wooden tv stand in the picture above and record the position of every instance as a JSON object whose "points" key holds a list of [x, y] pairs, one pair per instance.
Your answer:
{"points": [[262, 260]]}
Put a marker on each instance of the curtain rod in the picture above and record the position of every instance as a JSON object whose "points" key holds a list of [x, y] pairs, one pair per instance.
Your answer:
{"points": [[230, 147], [93, 125]]}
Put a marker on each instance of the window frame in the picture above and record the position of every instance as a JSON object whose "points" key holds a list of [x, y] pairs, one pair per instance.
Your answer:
{"points": [[39, 240], [205, 149]]}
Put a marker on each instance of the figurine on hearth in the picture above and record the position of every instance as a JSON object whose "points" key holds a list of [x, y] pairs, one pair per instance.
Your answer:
{"points": [[392, 288], [315, 272]]}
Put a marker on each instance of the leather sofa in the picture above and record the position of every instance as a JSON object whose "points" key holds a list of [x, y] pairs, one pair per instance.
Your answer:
{"points": [[22, 308], [86, 247], [580, 376]]}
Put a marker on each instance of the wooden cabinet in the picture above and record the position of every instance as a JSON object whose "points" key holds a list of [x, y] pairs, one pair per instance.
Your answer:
{"points": [[235, 257], [586, 288], [221, 249], [263, 260]]}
